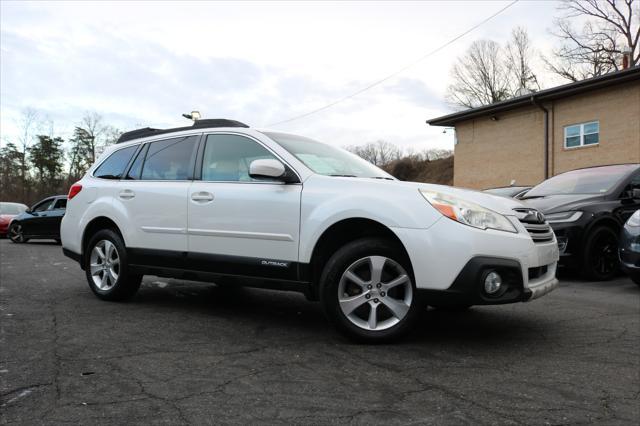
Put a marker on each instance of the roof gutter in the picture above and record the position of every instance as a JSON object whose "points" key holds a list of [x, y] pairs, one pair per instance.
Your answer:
{"points": [[606, 80], [534, 102]]}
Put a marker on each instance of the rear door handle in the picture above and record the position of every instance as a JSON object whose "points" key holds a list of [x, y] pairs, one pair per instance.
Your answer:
{"points": [[127, 194], [202, 197]]}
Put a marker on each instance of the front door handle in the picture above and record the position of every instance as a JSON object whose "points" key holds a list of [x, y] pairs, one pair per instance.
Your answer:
{"points": [[127, 194], [202, 197]]}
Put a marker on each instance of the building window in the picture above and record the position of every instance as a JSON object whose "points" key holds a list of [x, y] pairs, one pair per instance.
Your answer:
{"points": [[583, 134]]}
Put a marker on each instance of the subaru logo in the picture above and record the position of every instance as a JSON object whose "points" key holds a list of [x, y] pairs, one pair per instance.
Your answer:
{"points": [[530, 216]]}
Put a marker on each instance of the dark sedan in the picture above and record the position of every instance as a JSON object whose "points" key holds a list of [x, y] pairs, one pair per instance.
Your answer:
{"points": [[42, 221], [630, 247], [586, 209]]}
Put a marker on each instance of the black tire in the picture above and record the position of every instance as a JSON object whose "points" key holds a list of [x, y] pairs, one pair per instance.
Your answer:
{"points": [[352, 254], [600, 257], [15, 233], [126, 284]]}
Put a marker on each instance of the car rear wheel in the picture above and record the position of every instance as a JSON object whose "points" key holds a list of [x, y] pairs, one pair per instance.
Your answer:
{"points": [[367, 291], [107, 269], [600, 258], [16, 233]]}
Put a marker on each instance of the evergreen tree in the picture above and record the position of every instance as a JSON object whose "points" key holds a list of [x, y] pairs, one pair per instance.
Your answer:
{"points": [[47, 156]]}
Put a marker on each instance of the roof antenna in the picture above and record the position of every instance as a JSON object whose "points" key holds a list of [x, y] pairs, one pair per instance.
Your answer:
{"points": [[195, 116]]}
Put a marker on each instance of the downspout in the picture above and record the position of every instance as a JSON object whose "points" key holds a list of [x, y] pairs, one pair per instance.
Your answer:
{"points": [[546, 135]]}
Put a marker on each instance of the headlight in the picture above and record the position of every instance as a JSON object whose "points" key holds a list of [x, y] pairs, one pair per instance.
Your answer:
{"points": [[634, 220], [467, 213], [563, 217]]}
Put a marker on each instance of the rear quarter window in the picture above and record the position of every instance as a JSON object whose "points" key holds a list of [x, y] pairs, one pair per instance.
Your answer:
{"points": [[114, 166]]}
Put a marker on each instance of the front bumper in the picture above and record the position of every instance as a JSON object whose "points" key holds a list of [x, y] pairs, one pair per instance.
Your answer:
{"points": [[541, 289], [629, 252], [449, 260], [468, 288], [570, 236]]}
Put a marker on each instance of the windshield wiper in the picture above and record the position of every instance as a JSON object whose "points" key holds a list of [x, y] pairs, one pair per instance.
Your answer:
{"points": [[381, 177], [531, 197], [344, 175]]}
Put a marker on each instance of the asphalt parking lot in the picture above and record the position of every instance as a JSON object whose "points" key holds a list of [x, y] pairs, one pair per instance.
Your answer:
{"points": [[192, 353]]}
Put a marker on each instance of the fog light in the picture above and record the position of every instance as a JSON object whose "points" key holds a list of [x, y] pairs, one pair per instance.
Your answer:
{"points": [[562, 244], [492, 283]]}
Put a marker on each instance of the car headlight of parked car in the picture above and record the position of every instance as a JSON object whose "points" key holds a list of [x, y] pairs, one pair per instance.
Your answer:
{"points": [[468, 213], [563, 217]]}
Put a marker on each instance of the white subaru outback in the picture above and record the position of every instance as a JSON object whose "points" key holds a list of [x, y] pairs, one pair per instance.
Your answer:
{"points": [[221, 202]]}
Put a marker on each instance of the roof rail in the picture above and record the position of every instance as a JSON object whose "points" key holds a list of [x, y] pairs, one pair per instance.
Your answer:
{"points": [[198, 124]]}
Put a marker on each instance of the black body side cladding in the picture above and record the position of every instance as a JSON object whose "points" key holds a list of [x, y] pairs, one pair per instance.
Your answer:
{"points": [[72, 255]]}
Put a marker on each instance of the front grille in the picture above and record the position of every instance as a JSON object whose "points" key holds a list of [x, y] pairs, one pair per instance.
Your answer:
{"points": [[540, 233], [535, 224], [537, 272]]}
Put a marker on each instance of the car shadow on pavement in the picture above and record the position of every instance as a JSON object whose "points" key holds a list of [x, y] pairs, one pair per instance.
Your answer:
{"points": [[42, 243], [289, 313]]}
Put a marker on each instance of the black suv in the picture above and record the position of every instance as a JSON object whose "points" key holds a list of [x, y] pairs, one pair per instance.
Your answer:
{"points": [[586, 209]]}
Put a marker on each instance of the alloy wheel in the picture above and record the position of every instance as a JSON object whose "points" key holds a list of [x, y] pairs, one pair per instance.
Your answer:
{"points": [[604, 254], [15, 234], [105, 265], [375, 293]]}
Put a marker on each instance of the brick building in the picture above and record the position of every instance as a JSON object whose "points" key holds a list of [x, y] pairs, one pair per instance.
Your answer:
{"points": [[531, 137]]}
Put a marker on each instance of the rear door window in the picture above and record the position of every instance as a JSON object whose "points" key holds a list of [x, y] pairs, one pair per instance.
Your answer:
{"points": [[61, 204], [170, 159]]}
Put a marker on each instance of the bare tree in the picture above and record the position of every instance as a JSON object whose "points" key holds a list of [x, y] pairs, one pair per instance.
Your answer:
{"points": [[378, 153], [28, 125], [93, 129], [480, 76], [519, 53], [489, 73], [612, 28]]}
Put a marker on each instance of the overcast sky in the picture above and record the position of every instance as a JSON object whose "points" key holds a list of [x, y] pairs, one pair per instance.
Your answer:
{"points": [[260, 63]]}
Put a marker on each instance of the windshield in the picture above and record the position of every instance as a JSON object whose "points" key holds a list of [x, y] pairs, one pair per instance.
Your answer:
{"points": [[325, 159], [597, 180], [14, 209]]}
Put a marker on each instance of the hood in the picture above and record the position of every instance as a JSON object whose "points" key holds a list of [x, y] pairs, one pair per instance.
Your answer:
{"points": [[561, 203], [496, 203]]}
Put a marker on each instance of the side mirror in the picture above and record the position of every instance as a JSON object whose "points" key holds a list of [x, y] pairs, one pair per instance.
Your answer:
{"points": [[267, 169]]}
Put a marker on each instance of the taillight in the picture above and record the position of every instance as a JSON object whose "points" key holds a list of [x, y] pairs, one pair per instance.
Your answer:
{"points": [[74, 190]]}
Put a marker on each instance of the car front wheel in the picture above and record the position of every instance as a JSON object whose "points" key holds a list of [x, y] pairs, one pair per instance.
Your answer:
{"points": [[367, 291], [16, 233], [106, 267], [600, 258]]}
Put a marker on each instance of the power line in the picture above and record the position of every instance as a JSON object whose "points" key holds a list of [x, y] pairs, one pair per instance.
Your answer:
{"points": [[401, 70]]}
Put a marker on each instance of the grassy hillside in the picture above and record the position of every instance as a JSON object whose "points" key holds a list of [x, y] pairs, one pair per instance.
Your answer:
{"points": [[419, 170]]}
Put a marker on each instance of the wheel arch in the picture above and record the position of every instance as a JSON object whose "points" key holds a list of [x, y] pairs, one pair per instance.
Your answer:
{"points": [[93, 226], [340, 233], [607, 220]]}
